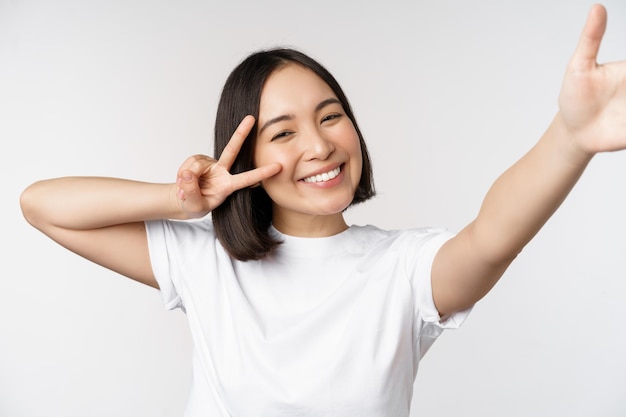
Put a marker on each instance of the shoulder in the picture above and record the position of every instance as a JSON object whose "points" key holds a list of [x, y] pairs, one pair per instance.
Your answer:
{"points": [[190, 227], [375, 236], [178, 234], [410, 249]]}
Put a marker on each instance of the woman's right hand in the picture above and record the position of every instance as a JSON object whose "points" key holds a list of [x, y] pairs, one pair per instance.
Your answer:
{"points": [[204, 183]]}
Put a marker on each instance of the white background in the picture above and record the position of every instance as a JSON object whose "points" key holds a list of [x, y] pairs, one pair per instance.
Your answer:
{"points": [[447, 93]]}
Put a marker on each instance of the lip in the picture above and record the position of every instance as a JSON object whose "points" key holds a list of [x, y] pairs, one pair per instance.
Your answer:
{"points": [[325, 184], [324, 170]]}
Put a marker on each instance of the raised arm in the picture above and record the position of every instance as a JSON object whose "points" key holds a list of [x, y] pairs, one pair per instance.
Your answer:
{"points": [[591, 119], [102, 219]]}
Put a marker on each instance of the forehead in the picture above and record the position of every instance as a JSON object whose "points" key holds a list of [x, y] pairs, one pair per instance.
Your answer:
{"points": [[290, 88]]}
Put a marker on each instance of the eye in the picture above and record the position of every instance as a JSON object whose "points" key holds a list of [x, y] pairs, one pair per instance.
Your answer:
{"points": [[332, 116], [281, 135]]}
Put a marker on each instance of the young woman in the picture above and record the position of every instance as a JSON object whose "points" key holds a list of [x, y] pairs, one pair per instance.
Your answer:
{"points": [[292, 311]]}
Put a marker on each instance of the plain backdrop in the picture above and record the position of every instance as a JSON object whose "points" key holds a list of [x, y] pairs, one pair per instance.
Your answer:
{"points": [[447, 93]]}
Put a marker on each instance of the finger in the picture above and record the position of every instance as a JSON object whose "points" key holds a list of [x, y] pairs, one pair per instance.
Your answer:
{"points": [[232, 148], [189, 163], [255, 176], [586, 54]]}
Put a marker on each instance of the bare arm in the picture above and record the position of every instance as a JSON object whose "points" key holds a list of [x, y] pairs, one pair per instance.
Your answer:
{"points": [[102, 219], [591, 119], [517, 205]]}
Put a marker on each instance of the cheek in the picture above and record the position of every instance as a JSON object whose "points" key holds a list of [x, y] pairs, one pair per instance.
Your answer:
{"points": [[267, 157], [358, 170], [262, 157], [355, 154]]}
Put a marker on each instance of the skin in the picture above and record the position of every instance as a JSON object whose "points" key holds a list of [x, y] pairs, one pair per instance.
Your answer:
{"points": [[307, 132], [102, 218], [592, 104]]}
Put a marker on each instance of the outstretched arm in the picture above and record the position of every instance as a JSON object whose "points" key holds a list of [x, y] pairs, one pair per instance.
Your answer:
{"points": [[102, 219], [591, 119]]}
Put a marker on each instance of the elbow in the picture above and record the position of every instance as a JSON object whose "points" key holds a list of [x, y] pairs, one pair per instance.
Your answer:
{"points": [[29, 205], [494, 248], [26, 203]]}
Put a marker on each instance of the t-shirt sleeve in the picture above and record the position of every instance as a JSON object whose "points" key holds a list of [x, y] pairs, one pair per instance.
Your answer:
{"points": [[430, 324], [160, 236]]}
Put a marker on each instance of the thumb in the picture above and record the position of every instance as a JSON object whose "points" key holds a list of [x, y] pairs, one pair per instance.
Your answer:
{"points": [[586, 53]]}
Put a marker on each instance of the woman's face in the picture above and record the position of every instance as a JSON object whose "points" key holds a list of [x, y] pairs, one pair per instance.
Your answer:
{"points": [[303, 126]]}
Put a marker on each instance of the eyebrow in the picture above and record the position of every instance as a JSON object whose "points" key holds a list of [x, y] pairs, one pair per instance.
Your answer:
{"points": [[284, 117]]}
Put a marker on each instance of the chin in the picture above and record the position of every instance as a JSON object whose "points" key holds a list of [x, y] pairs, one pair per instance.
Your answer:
{"points": [[335, 209]]}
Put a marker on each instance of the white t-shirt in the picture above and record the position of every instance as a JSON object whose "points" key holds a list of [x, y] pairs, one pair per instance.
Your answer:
{"points": [[329, 326]]}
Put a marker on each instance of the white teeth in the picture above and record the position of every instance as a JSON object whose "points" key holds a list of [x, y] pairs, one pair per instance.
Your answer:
{"points": [[324, 177]]}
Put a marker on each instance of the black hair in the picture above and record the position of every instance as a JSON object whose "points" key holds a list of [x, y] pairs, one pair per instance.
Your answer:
{"points": [[242, 221]]}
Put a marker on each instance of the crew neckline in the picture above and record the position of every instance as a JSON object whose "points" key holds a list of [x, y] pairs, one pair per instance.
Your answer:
{"points": [[306, 247]]}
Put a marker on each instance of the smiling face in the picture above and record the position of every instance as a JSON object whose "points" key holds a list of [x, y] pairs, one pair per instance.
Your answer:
{"points": [[303, 126]]}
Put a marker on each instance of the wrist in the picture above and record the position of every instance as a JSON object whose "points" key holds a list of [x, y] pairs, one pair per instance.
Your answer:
{"points": [[176, 209], [569, 143]]}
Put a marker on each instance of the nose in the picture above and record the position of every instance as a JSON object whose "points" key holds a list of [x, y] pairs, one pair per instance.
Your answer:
{"points": [[317, 146]]}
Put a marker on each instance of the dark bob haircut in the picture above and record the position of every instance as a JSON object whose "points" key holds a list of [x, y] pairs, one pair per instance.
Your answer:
{"points": [[242, 221]]}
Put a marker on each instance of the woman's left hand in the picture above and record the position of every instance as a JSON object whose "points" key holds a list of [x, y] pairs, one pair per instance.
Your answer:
{"points": [[592, 101]]}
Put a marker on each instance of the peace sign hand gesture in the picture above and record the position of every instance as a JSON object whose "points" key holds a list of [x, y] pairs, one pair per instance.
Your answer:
{"points": [[204, 183], [592, 101]]}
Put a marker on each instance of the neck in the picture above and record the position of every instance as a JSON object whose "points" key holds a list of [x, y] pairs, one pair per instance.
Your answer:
{"points": [[311, 226]]}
